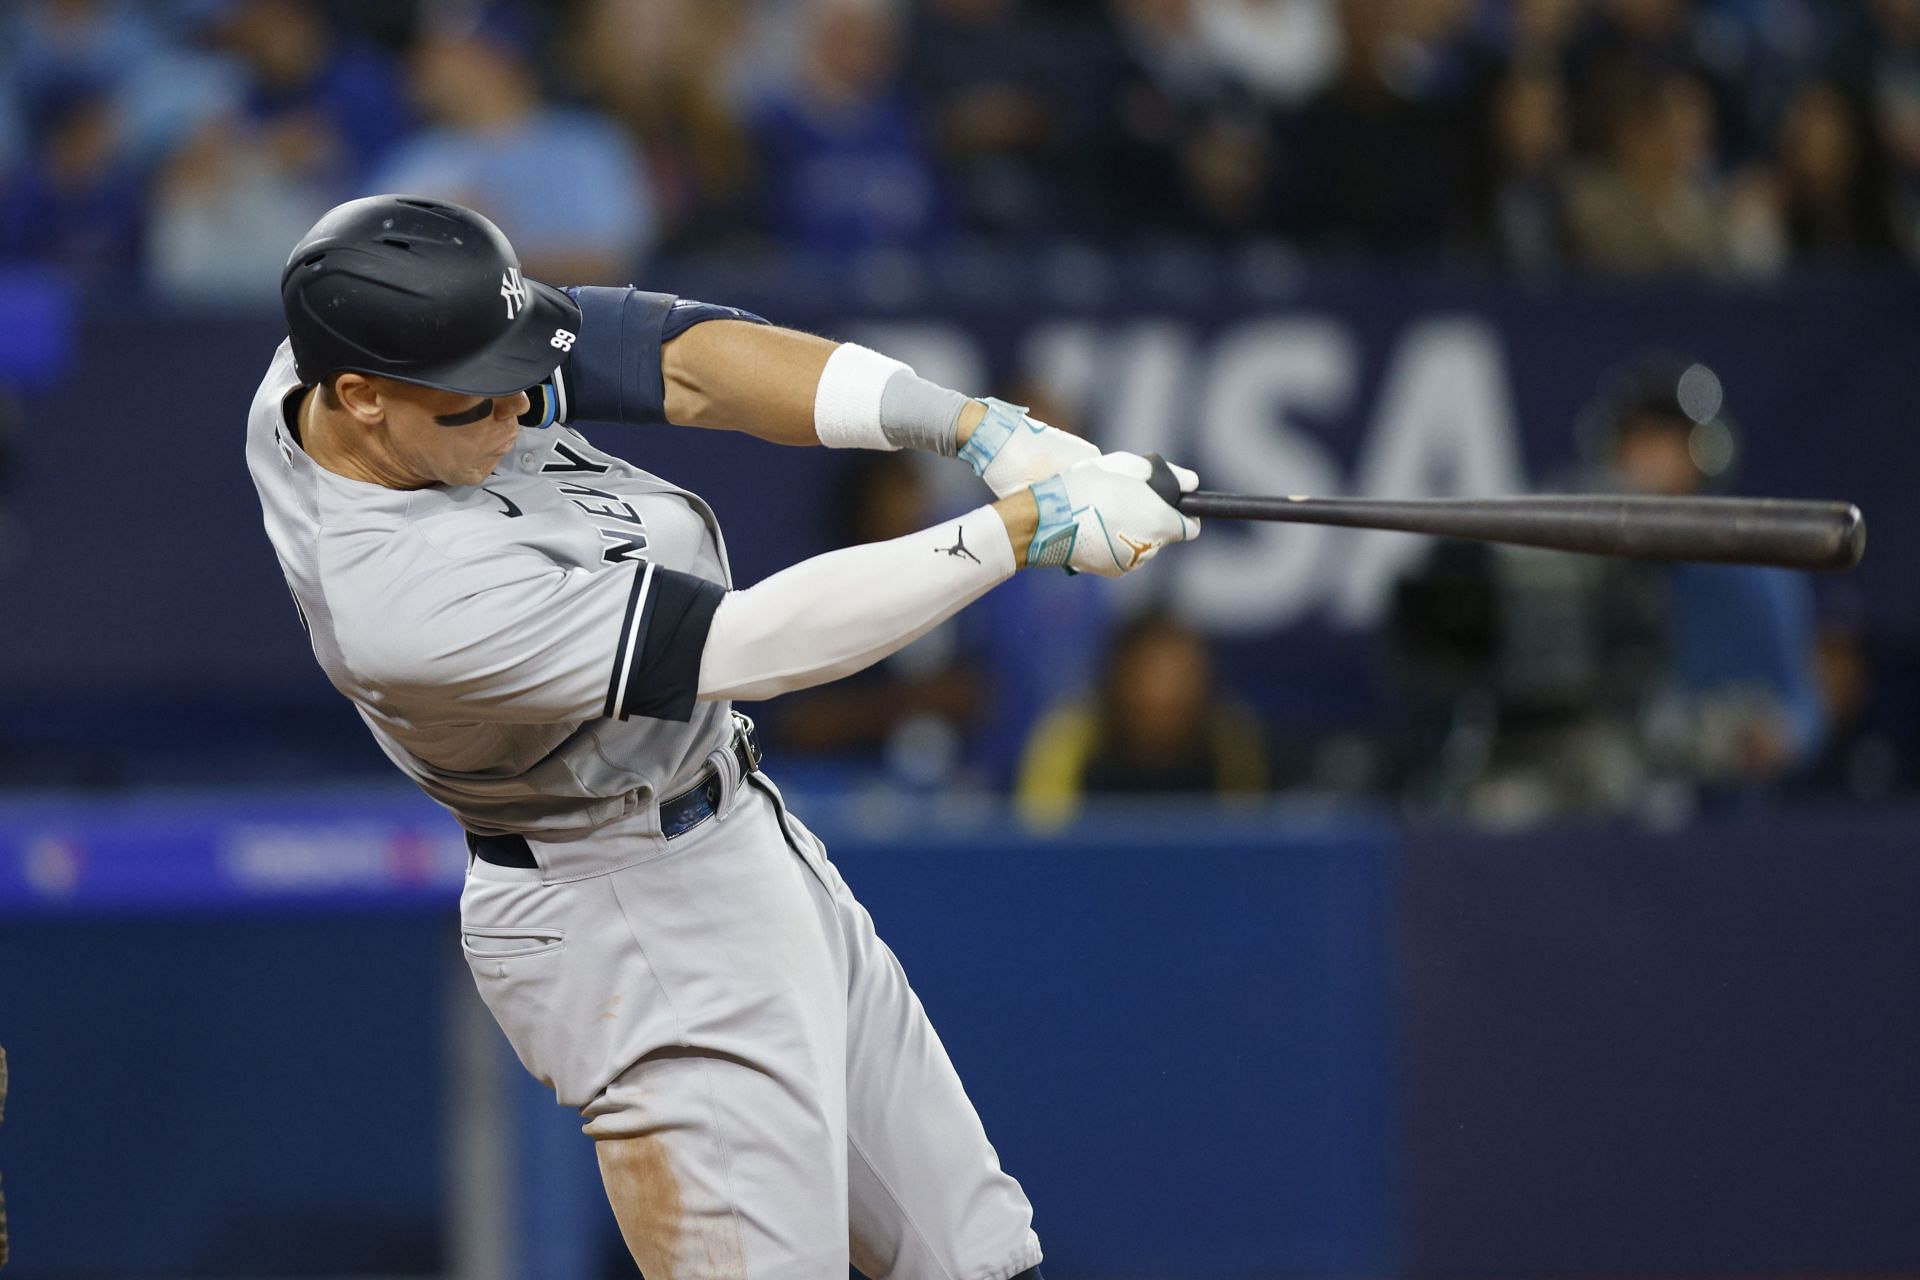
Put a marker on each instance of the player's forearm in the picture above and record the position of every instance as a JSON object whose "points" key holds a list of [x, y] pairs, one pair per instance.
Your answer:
{"points": [[837, 613], [736, 376]]}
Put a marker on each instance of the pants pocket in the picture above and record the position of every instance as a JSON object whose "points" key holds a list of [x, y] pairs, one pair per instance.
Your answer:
{"points": [[518, 971], [482, 942]]}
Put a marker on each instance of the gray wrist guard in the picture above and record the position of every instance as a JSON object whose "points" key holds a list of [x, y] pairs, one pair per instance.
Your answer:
{"points": [[917, 414]]}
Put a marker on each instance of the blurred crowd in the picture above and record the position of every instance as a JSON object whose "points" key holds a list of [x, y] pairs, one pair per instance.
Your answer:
{"points": [[183, 145], [187, 143]]}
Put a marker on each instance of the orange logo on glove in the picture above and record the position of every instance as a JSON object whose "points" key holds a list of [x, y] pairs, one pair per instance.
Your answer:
{"points": [[1139, 549]]}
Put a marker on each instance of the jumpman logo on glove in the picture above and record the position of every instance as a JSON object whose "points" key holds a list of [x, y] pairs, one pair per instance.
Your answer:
{"points": [[1139, 549]]}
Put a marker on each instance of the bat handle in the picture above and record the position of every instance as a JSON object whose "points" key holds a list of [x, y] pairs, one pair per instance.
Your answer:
{"points": [[1162, 481]]}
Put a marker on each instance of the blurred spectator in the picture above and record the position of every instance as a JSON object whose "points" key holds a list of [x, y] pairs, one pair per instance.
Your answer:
{"points": [[1004, 95], [160, 88], [318, 109], [1893, 66], [1181, 147], [104, 92], [1869, 753], [567, 181], [223, 212], [667, 70], [1833, 190], [1648, 203], [909, 712], [1523, 215], [1522, 679], [328, 105], [1229, 172], [1158, 725], [1379, 158], [1741, 705], [1541, 684], [843, 164], [1636, 38], [1534, 33], [1283, 50], [102, 42], [78, 202]]}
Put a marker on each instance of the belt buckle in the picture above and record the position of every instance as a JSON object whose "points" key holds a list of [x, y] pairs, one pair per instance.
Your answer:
{"points": [[749, 744]]}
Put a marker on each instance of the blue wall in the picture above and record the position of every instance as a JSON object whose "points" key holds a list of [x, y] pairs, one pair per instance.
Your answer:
{"points": [[223, 1096], [1179, 1035], [1689, 1053], [1263, 1046]]}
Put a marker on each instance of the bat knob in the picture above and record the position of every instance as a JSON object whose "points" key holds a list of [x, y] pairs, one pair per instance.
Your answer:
{"points": [[1852, 541], [1160, 479]]}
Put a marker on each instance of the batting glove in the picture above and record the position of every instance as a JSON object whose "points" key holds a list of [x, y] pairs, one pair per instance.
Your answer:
{"points": [[1010, 451], [1102, 517]]}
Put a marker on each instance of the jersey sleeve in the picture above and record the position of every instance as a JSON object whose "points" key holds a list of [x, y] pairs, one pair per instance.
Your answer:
{"points": [[518, 639], [613, 372]]}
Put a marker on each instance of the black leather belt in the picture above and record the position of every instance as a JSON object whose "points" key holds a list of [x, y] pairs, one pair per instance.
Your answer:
{"points": [[678, 814]]}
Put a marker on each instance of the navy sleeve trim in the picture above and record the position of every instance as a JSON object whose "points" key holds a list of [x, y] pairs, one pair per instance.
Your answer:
{"points": [[613, 372], [686, 313], [657, 671]]}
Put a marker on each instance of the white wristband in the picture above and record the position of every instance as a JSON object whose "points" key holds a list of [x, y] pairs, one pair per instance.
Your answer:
{"points": [[846, 405]]}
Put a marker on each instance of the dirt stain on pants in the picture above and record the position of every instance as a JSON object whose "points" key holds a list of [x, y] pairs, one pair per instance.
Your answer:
{"points": [[666, 1243]]}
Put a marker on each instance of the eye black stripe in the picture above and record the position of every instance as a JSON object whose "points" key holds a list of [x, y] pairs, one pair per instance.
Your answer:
{"points": [[482, 410]]}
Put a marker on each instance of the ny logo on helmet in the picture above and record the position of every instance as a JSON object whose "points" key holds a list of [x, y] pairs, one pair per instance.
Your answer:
{"points": [[514, 290]]}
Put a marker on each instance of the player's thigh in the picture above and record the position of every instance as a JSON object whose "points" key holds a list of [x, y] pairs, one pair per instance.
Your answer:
{"points": [[727, 1146], [926, 1194], [718, 1169]]}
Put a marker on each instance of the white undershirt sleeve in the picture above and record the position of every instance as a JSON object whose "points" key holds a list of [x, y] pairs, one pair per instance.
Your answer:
{"points": [[832, 615]]}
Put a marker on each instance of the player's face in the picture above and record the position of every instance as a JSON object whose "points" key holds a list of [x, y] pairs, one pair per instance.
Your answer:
{"points": [[445, 437]]}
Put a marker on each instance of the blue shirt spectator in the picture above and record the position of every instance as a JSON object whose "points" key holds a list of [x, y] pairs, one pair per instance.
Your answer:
{"points": [[568, 182], [1739, 640], [340, 100], [565, 181], [844, 166], [75, 202], [161, 90], [1747, 634]]}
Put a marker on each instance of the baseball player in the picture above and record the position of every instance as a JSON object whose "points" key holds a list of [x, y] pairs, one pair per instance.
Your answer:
{"points": [[547, 640]]}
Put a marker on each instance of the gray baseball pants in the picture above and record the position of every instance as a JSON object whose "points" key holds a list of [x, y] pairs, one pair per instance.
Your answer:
{"points": [[766, 1095]]}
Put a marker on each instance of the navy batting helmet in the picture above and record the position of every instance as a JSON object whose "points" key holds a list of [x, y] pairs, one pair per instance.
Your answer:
{"points": [[421, 291]]}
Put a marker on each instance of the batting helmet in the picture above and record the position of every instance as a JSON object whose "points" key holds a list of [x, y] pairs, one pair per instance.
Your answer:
{"points": [[424, 292]]}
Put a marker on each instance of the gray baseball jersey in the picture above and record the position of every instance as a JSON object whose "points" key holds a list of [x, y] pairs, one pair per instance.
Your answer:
{"points": [[525, 650], [765, 1091]]}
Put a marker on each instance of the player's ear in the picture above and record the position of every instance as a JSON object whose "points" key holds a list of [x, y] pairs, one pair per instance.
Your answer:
{"points": [[361, 396]]}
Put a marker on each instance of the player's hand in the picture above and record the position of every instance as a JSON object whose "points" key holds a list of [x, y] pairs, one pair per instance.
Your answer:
{"points": [[1101, 516], [1010, 450]]}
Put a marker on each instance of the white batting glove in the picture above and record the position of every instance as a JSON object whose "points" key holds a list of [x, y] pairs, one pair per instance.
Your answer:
{"points": [[1101, 517], [1010, 450]]}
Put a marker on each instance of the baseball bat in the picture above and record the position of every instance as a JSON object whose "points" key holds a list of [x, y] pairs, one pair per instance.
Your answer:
{"points": [[1765, 531]]}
